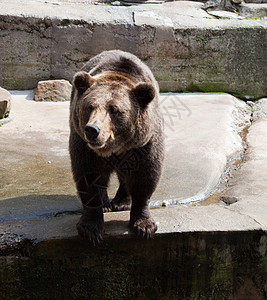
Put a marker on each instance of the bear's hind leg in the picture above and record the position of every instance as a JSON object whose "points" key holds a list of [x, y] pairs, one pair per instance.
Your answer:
{"points": [[122, 200]]}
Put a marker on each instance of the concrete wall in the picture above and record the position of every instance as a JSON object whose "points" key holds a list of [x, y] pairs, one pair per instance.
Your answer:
{"points": [[186, 53], [175, 266]]}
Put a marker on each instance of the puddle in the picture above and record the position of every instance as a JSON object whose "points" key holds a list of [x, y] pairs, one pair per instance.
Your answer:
{"points": [[214, 199], [20, 176], [41, 184]]}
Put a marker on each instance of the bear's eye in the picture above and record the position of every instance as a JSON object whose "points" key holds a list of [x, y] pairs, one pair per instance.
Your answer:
{"points": [[89, 108], [113, 109]]}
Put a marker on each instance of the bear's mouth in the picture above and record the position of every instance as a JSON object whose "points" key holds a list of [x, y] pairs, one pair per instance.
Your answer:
{"points": [[96, 144], [102, 148]]}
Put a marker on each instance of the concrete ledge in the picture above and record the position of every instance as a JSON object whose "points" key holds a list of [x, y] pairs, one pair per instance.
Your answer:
{"points": [[186, 48], [175, 219]]}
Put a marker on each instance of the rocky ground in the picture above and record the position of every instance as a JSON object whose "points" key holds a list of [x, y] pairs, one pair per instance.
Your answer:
{"points": [[214, 178]]}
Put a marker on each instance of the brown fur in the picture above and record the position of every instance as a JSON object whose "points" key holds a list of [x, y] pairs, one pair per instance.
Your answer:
{"points": [[115, 126]]}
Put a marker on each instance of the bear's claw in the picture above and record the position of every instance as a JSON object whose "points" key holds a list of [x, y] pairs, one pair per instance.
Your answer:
{"points": [[145, 228], [92, 230]]}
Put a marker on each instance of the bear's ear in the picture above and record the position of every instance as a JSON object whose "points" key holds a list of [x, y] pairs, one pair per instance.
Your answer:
{"points": [[82, 81], [144, 93]]}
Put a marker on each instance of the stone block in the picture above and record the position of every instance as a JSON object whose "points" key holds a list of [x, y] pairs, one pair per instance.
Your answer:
{"points": [[25, 53], [5, 103], [186, 48], [53, 90]]}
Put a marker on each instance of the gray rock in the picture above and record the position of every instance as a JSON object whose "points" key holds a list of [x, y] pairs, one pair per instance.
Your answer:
{"points": [[5, 103], [116, 3], [228, 200], [259, 109], [230, 5], [53, 90], [198, 144], [253, 10]]}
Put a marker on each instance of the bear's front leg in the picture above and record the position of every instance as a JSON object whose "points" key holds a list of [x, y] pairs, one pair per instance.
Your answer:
{"points": [[141, 221], [141, 184], [92, 191], [91, 226]]}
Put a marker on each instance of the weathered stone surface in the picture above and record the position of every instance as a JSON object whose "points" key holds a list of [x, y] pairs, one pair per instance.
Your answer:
{"points": [[224, 14], [186, 48], [253, 10], [260, 109], [249, 183], [255, 1], [201, 132], [53, 90], [5, 103], [149, 18], [230, 5]]}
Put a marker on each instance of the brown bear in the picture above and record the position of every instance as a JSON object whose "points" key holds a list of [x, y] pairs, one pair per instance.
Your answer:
{"points": [[115, 125]]}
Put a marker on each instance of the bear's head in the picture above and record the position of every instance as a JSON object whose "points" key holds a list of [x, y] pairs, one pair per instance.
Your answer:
{"points": [[110, 113]]}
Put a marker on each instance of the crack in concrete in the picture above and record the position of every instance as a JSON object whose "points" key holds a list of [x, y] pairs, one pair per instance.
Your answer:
{"points": [[241, 214], [28, 25]]}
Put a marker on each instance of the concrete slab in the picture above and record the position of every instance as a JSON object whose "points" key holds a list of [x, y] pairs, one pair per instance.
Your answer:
{"points": [[35, 168], [202, 132], [175, 219]]}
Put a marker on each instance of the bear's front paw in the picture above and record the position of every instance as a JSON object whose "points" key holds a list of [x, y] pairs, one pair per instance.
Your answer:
{"points": [[91, 229], [121, 206], [107, 205], [144, 227]]}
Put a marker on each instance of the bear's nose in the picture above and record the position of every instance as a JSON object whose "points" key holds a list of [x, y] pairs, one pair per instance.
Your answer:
{"points": [[92, 131]]}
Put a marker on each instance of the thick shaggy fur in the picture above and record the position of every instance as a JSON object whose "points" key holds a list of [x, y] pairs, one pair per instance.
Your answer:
{"points": [[115, 125]]}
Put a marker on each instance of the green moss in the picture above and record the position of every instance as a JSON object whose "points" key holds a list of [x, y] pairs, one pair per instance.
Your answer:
{"points": [[208, 87]]}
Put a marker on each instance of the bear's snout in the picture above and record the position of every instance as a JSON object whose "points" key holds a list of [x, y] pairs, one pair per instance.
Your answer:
{"points": [[92, 131]]}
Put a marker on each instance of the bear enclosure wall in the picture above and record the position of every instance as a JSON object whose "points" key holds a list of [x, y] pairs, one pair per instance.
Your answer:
{"points": [[220, 58]]}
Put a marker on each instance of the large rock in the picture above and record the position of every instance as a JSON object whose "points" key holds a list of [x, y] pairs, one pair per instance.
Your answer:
{"points": [[53, 90], [5, 103]]}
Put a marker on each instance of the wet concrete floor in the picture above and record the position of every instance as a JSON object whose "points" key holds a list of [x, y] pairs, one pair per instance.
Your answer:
{"points": [[201, 131]]}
